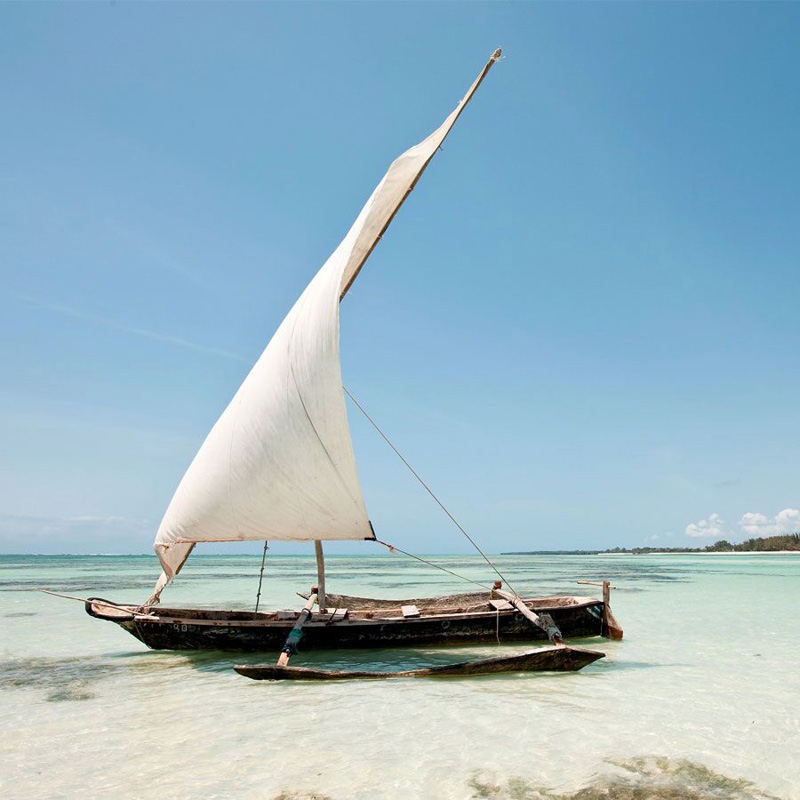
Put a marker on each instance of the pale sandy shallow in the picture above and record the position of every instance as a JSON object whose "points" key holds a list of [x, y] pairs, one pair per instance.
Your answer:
{"points": [[702, 692]]}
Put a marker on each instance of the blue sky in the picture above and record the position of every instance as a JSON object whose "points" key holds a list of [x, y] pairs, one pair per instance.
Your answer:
{"points": [[582, 329]]}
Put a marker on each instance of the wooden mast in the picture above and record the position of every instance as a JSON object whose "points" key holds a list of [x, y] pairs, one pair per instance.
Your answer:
{"points": [[320, 575]]}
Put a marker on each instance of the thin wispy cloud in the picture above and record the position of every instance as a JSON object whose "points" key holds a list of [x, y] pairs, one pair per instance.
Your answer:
{"points": [[59, 534], [144, 333], [154, 254]]}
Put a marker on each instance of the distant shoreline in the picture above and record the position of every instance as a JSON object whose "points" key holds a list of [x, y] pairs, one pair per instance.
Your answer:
{"points": [[781, 545], [653, 553], [716, 553]]}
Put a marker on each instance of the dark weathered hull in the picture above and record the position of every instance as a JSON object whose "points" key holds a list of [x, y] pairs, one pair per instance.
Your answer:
{"points": [[199, 629]]}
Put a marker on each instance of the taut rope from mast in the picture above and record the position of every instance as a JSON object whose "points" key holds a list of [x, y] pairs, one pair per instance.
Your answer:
{"points": [[261, 573], [430, 492], [393, 548]]}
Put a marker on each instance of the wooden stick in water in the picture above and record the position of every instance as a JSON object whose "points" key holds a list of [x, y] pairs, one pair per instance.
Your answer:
{"points": [[295, 634], [611, 628]]}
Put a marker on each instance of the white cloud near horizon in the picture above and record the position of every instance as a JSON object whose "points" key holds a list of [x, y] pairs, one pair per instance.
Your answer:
{"points": [[751, 523], [786, 521], [712, 526]]}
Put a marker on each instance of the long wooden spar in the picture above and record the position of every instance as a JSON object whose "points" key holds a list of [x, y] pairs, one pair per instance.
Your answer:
{"points": [[393, 210]]}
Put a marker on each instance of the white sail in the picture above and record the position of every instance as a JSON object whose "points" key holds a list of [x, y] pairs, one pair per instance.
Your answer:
{"points": [[279, 462]]}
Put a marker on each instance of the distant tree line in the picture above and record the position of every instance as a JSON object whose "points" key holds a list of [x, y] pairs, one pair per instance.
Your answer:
{"points": [[767, 544], [789, 541]]}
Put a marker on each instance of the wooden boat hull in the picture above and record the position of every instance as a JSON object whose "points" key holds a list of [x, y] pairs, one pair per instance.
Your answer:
{"points": [[243, 631], [543, 659]]}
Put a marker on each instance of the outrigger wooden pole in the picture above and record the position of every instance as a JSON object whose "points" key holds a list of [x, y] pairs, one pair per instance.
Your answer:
{"points": [[295, 634], [545, 622]]}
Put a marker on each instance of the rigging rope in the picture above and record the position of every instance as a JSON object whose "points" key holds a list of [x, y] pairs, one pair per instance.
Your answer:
{"points": [[429, 491], [261, 574], [431, 564]]}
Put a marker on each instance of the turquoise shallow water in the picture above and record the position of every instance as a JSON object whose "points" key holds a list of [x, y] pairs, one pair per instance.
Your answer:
{"points": [[700, 700]]}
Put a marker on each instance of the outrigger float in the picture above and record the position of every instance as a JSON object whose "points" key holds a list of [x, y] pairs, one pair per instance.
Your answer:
{"points": [[279, 465]]}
